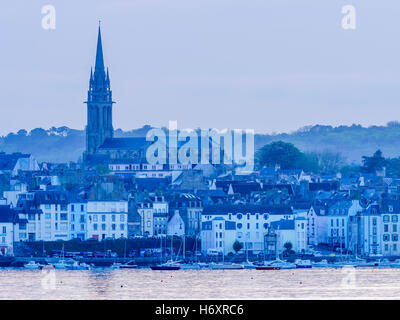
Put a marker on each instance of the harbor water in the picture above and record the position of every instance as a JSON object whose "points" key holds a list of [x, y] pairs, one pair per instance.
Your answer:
{"points": [[315, 283]]}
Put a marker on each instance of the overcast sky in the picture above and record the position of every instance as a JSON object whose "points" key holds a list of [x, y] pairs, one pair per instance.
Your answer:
{"points": [[273, 66]]}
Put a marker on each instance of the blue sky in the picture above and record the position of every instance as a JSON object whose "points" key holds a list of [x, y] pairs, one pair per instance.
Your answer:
{"points": [[273, 66]]}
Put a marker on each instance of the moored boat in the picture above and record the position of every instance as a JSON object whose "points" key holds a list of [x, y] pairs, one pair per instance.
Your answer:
{"points": [[282, 264], [303, 264], [129, 265], [32, 265], [267, 267], [226, 266], [322, 264], [77, 266], [61, 264]]}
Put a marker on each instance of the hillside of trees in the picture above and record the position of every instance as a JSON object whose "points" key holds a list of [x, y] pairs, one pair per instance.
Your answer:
{"points": [[347, 143]]}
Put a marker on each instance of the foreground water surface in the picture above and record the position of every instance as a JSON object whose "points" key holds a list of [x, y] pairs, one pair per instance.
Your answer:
{"points": [[316, 283]]}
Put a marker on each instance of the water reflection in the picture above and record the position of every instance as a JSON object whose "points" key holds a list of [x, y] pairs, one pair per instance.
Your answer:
{"points": [[201, 284]]}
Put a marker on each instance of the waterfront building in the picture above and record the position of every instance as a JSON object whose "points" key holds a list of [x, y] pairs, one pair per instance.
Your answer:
{"points": [[8, 220], [251, 222], [78, 217], [107, 219], [389, 220]]}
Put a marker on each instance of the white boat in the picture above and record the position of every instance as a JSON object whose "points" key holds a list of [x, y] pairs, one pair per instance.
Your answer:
{"points": [[129, 265], [115, 265], [226, 266], [61, 264], [396, 263], [190, 266], [303, 264], [32, 265], [385, 263], [249, 265], [77, 266], [281, 264], [322, 264]]}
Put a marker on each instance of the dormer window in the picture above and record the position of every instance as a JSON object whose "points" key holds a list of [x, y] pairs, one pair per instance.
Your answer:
{"points": [[390, 208]]}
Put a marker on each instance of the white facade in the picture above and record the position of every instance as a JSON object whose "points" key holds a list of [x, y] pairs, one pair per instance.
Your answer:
{"points": [[390, 245], [176, 225], [78, 217], [107, 219], [218, 234], [250, 227], [6, 238]]}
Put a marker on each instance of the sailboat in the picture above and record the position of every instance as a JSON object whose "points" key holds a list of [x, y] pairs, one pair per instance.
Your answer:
{"points": [[61, 264], [169, 265], [188, 266]]}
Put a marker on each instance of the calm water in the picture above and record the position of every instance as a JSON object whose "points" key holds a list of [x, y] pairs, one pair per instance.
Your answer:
{"points": [[316, 283]]}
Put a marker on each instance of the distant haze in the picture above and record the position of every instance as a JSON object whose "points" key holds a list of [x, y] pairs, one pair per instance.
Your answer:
{"points": [[273, 66]]}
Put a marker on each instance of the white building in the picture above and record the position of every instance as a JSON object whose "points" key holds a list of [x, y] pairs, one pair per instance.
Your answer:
{"points": [[176, 225], [78, 218], [107, 219], [218, 234], [7, 223], [251, 222]]}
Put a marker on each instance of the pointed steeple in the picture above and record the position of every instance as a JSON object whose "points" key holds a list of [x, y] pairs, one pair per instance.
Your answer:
{"points": [[99, 67], [108, 79], [91, 78]]}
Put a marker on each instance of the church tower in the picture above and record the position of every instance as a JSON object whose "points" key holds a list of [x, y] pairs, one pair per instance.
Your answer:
{"points": [[99, 104]]}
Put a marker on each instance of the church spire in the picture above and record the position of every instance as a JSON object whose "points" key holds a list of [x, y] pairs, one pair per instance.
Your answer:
{"points": [[99, 66]]}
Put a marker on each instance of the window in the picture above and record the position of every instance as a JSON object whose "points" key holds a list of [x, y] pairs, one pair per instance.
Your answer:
{"points": [[385, 228], [63, 216], [265, 225], [239, 226], [239, 216], [395, 218], [386, 218], [121, 218], [248, 216], [394, 247], [95, 217], [82, 208], [113, 218], [4, 229], [395, 237], [395, 228], [248, 226], [72, 208], [122, 227], [113, 226], [95, 226], [385, 237], [103, 226], [72, 217], [103, 218], [374, 221], [266, 216]]}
